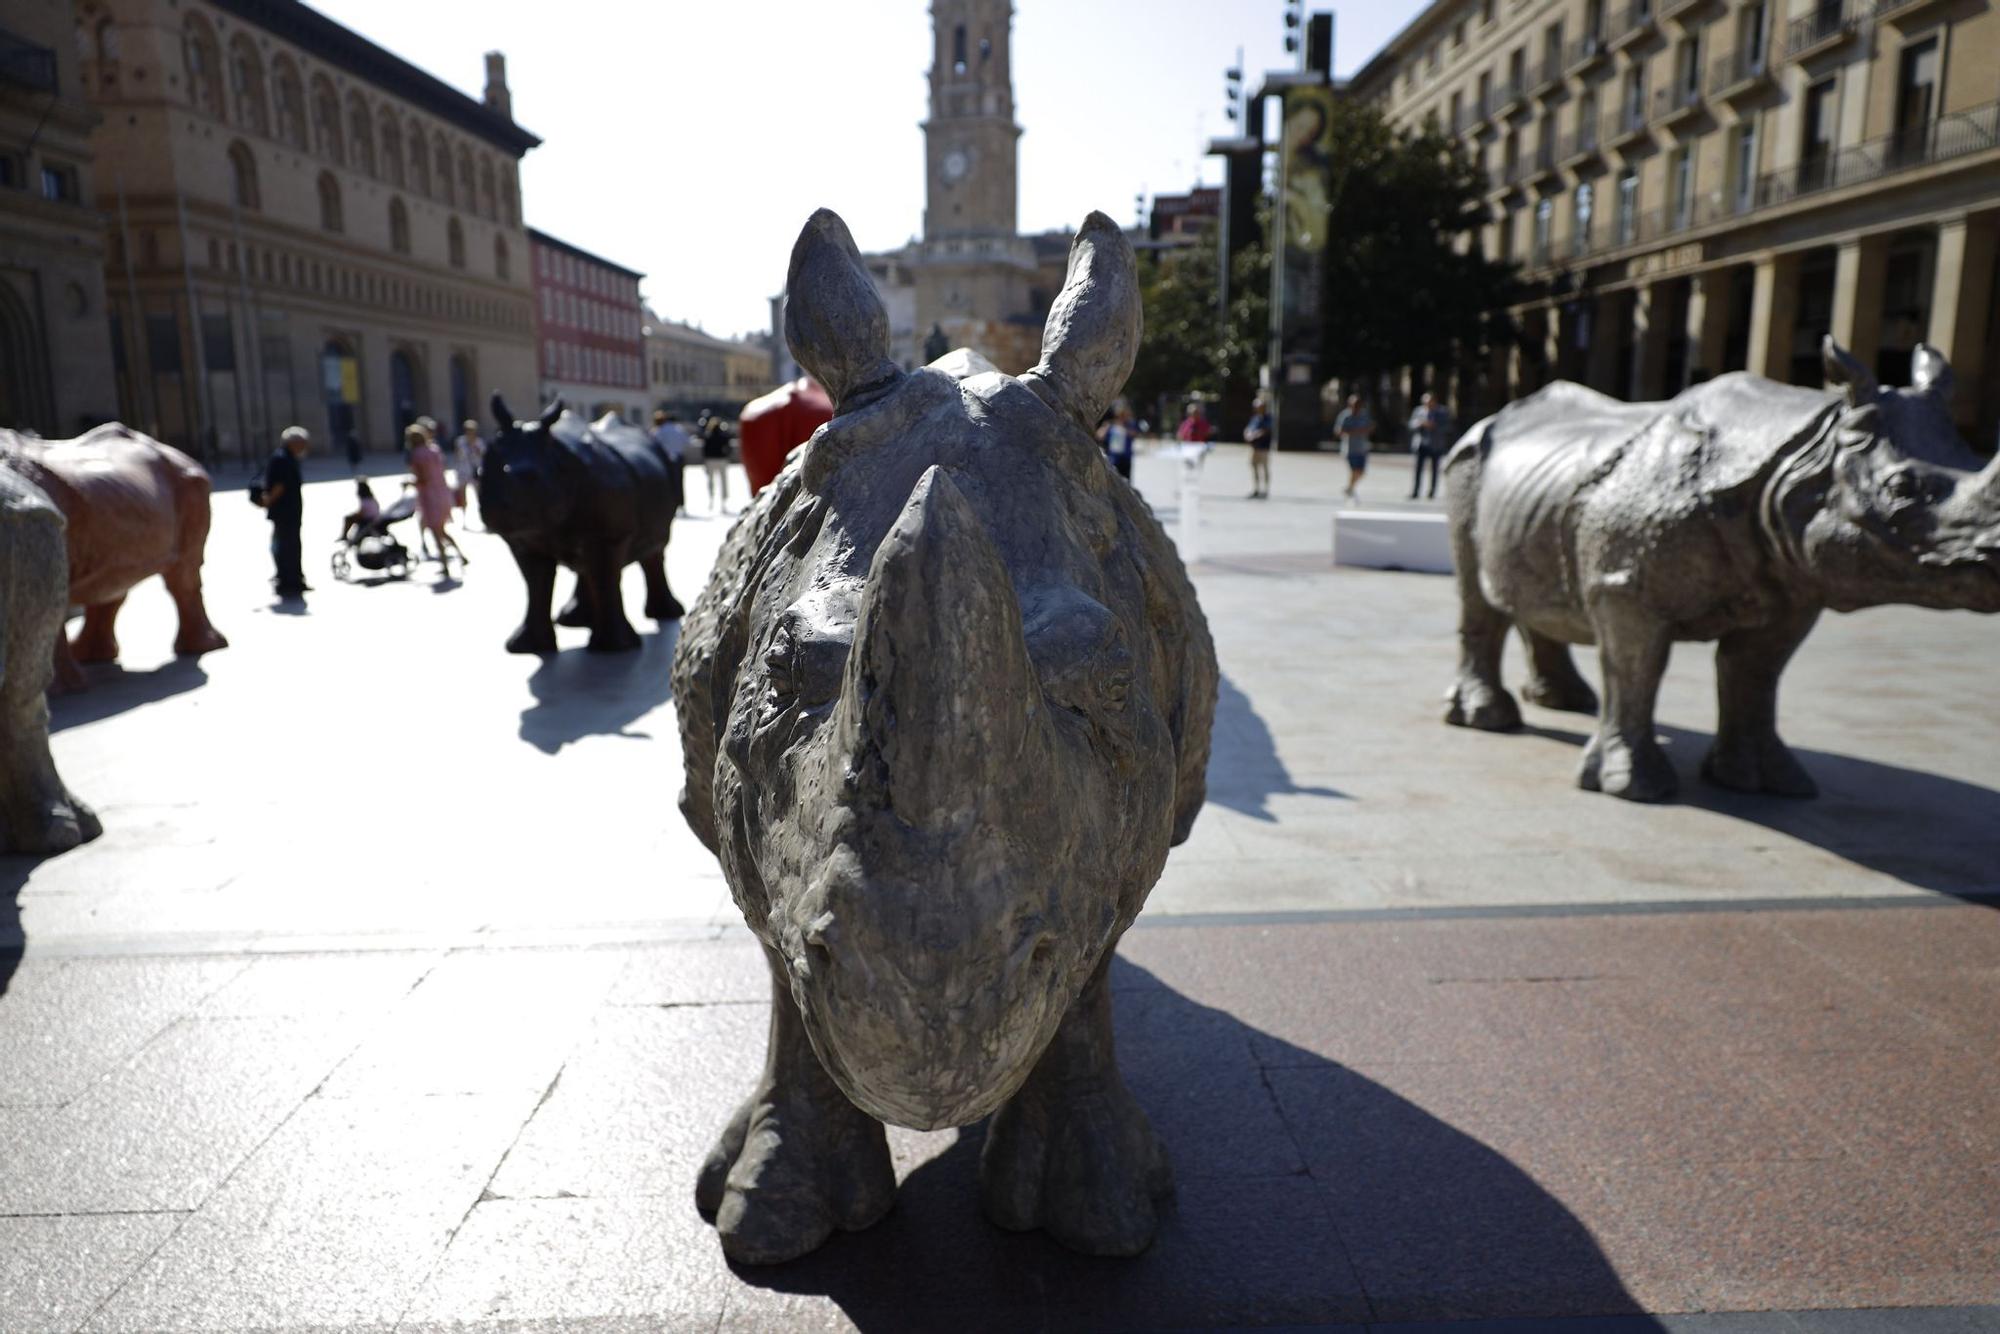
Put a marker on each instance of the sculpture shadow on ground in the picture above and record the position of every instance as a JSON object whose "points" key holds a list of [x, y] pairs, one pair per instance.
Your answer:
{"points": [[1927, 830], [1306, 1194], [1244, 768], [112, 690], [579, 693]]}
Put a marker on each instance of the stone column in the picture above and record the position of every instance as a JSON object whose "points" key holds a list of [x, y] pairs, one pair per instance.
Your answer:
{"points": [[1774, 304], [1649, 343], [1857, 296], [1600, 358], [1959, 293], [1708, 321]]}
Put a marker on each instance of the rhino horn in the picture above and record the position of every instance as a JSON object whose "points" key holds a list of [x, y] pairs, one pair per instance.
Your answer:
{"points": [[940, 688], [1843, 369], [552, 413], [835, 322], [1091, 339], [502, 414], [1931, 374]]}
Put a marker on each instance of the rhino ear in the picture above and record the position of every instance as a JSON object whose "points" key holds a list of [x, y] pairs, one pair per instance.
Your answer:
{"points": [[552, 413], [502, 414], [1931, 374], [1092, 337], [1842, 369], [835, 323]]}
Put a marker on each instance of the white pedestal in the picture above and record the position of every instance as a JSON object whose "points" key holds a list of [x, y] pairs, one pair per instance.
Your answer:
{"points": [[1416, 540]]}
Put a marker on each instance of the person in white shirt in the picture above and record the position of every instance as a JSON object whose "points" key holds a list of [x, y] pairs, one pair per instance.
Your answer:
{"points": [[670, 435], [466, 453]]}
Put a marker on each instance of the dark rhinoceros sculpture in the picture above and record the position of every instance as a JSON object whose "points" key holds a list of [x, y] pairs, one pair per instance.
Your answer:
{"points": [[592, 496], [38, 814], [1736, 512], [134, 508], [944, 706]]}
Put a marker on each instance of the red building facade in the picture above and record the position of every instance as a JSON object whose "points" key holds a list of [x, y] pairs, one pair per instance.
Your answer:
{"points": [[589, 325]]}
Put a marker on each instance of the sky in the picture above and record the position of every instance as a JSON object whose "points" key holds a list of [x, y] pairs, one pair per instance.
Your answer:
{"points": [[690, 139]]}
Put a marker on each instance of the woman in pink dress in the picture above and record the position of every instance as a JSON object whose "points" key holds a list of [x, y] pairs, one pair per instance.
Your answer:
{"points": [[433, 491]]}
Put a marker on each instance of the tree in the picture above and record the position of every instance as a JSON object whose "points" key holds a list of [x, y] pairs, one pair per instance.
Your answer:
{"points": [[1186, 349]]}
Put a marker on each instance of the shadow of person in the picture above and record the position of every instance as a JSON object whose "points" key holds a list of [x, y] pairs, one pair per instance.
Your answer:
{"points": [[290, 604], [1306, 1194], [579, 693], [113, 690], [1244, 769]]}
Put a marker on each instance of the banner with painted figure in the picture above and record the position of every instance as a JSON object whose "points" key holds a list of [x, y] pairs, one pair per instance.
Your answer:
{"points": [[1306, 163]]}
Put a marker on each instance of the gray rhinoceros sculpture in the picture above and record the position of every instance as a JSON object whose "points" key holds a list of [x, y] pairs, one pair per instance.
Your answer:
{"points": [[1736, 512], [944, 705], [38, 814]]}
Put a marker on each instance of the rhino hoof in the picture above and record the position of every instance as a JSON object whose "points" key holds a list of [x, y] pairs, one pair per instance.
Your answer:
{"points": [[1575, 697], [670, 610], [58, 826], [1770, 769], [782, 1180], [1488, 708], [1633, 773], [193, 645], [537, 639], [1088, 1170], [614, 641], [575, 616]]}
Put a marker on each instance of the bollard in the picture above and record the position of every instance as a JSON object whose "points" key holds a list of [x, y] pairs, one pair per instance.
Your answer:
{"points": [[1189, 540]]}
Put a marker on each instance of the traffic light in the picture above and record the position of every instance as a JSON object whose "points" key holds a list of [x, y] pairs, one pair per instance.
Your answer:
{"points": [[1319, 45], [1233, 91], [1295, 17]]}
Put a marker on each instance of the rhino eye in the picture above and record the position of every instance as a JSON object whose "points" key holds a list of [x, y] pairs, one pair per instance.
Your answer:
{"points": [[1902, 484]]}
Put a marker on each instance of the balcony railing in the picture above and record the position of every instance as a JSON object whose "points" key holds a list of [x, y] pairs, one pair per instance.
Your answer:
{"points": [[1462, 120], [1546, 77], [1624, 124], [1545, 157], [1737, 73], [1675, 102], [1829, 25], [1583, 53], [1671, 9], [1580, 143], [1504, 97], [1902, 9], [25, 64], [1956, 135], [1629, 24]]}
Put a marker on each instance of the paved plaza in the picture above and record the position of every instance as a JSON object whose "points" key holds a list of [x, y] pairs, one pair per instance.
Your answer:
{"points": [[397, 996]]}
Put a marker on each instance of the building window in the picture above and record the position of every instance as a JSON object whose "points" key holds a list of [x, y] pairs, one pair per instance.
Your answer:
{"points": [[326, 120], [329, 203], [468, 192], [59, 183], [392, 149], [246, 84], [204, 66], [1916, 99], [503, 263], [1750, 38], [455, 240], [442, 169], [243, 176], [1744, 164], [958, 49], [1680, 174], [1816, 142], [399, 227], [420, 161], [489, 191], [509, 196], [361, 134], [1628, 206], [1545, 213], [291, 102]]}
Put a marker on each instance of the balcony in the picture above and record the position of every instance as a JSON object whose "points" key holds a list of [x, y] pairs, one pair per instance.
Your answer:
{"points": [[1739, 75], [1546, 79], [1827, 28], [1580, 245], [1900, 11], [1462, 120], [1960, 134], [1623, 127], [1583, 54], [1505, 99], [1676, 103], [1542, 165], [1513, 175], [1633, 23], [1580, 145], [1675, 9], [26, 65]]}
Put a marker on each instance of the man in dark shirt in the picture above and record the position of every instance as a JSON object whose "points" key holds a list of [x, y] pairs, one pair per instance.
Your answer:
{"points": [[283, 500], [715, 462]]}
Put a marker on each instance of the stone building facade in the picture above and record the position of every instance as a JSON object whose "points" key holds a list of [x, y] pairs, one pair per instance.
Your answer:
{"points": [[304, 227], [692, 371], [55, 345], [1697, 186], [590, 322]]}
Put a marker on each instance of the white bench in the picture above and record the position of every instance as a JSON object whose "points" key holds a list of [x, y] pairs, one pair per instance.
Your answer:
{"points": [[1415, 540]]}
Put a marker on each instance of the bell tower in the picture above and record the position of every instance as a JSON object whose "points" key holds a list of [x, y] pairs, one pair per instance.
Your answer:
{"points": [[970, 138]]}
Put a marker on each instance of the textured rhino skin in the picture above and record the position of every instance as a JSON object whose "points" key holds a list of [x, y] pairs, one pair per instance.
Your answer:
{"points": [[1736, 512], [947, 625], [135, 508], [38, 814]]}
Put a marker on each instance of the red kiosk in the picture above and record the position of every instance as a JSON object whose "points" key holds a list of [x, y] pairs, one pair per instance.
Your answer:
{"points": [[771, 427]]}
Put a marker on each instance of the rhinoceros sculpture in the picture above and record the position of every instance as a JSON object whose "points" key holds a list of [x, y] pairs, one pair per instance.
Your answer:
{"points": [[1736, 512], [135, 508], [944, 706], [37, 812], [593, 496]]}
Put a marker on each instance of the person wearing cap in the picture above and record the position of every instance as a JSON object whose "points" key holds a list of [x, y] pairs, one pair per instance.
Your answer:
{"points": [[283, 500]]}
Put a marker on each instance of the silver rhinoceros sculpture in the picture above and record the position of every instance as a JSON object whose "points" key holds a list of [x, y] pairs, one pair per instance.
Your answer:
{"points": [[1736, 512], [944, 704]]}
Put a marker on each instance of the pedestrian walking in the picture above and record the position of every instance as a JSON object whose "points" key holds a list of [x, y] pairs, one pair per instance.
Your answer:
{"points": [[1257, 435], [1430, 436], [433, 493], [715, 462], [672, 437], [1195, 427], [1119, 436], [467, 452], [1355, 427], [282, 497]]}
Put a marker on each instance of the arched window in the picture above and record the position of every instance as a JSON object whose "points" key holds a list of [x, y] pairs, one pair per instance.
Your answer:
{"points": [[442, 156], [468, 184], [489, 202], [326, 119], [420, 161], [509, 196], [329, 202], [360, 135], [291, 100], [392, 149], [399, 227], [246, 85], [203, 59], [243, 176], [455, 239], [503, 263]]}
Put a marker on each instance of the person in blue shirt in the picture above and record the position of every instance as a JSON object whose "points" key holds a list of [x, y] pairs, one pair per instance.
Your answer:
{"points": [[1118, 436], [1430, 437], [1257, 435]]}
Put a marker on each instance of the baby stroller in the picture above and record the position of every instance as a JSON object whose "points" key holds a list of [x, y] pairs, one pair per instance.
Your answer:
{"points": [[369, 543]]}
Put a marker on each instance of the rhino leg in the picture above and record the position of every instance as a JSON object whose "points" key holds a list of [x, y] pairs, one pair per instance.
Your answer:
{"points": [[1476, 698], [537, 634], [38, 813], [610, 632], [98, 640], [1554, 682], [68, 677], [1624, 758], [196, 634], [798, 1160], [1072, 1152], [661, 604], [1748, 754], [576, 613]]}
